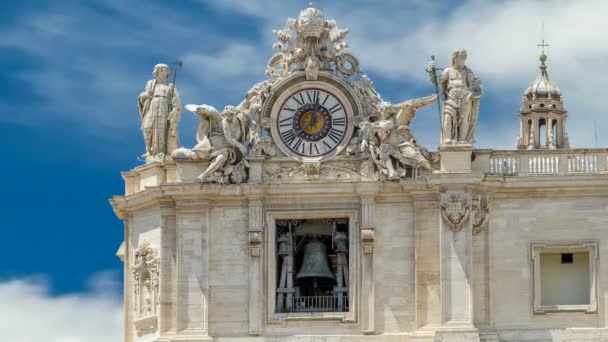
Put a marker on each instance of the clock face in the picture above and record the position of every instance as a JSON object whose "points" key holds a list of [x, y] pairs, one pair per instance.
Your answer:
{"points": [[311, 122]]}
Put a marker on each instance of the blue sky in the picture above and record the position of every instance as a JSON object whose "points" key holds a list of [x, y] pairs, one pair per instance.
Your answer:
{"points": [[73, 69]]}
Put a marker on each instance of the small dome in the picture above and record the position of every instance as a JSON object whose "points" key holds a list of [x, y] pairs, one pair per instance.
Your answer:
{"points": [[542, 87]]}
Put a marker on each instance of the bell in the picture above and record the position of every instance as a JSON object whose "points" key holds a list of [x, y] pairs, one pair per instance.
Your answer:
{"points": [[314, 263]]}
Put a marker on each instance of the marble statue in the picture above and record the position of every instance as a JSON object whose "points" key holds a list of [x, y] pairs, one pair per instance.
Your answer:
{"points": [[390, 140], [221, 138], [159, 110], [461, 91]]}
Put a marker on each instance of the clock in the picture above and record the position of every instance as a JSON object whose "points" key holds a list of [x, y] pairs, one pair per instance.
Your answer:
{"points": [[311, 121]]}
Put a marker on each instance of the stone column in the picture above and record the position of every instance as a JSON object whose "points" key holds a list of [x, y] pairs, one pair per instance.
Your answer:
{"points": [[367, 269], [456, 268], [256, 226], [192, 270], [428, 284]]}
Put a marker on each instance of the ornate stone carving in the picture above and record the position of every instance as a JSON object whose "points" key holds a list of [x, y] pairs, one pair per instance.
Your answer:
{"points": [[455, 209], [311, 43], [255, 243], [159, 110], [313, 171], [481, 211], [146, 289], [461, 91], [221, 138], [367, 240], [389, 140]]}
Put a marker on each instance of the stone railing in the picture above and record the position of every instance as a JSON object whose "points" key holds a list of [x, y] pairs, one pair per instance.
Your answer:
{"points": [[577, 161]]}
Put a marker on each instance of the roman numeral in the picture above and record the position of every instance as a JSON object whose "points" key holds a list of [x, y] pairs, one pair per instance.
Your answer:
{"points": [[298, 101], [298, 144], [289, 109], [314, 147], [327, 146], [335, 135], [314, 98], [285, 122], [288, 136], [335, 108], [339, 121], [326, 97]]}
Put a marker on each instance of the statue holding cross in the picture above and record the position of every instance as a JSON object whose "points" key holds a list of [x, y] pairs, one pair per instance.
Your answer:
{"points": [[461, 91]]}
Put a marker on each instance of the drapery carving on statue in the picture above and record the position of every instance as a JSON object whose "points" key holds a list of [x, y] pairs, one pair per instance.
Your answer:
{"points": [[159, 110], [455, 209], [221, 138], [311, 43], [481, 211], [146, 289], [388, 138]]}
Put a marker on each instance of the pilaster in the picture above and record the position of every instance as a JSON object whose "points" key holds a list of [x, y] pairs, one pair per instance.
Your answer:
{"points": [[128, 283], [456, 268], [367, 270], [168, 267], [256, 224], [192, 270]]}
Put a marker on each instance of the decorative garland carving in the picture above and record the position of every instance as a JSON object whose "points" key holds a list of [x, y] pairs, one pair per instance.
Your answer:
{"points": [[481, 213]]}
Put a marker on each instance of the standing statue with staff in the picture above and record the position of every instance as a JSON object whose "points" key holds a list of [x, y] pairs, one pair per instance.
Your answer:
{"points": [[159, 110], [460, 91]]}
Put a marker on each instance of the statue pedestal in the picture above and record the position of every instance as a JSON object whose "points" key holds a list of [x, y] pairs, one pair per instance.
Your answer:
{"points": [[455, 158]]}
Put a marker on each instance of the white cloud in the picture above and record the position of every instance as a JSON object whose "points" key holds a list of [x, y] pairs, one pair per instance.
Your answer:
{"points": [[29, 313], [93, 76], [395, 39]]}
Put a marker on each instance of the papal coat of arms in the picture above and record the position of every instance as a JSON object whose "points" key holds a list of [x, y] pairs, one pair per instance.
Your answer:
{"points": [[455, 209]]}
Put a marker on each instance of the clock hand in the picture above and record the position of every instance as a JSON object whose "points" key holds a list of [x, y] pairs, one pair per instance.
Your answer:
{"points": [[310, 123]]}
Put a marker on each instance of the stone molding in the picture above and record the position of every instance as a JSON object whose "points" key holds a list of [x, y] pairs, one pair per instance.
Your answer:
{"points": [[351, 316], [540, 247]]}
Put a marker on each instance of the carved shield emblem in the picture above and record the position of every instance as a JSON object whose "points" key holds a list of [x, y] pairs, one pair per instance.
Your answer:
{"points": [[455, 209]]}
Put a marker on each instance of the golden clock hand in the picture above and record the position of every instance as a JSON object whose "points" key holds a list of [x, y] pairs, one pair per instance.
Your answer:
{"points": [[310, 123]]}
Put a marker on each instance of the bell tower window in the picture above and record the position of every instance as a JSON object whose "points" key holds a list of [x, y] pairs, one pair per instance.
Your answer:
{"points": [[312, 265]]}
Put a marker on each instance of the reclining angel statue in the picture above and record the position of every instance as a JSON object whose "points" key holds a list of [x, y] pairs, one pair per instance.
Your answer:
{"points": [[390, 140], [220, 139]]}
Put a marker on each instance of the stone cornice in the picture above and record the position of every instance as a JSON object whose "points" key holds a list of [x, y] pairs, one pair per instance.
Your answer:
{"points": [[420, 188]]}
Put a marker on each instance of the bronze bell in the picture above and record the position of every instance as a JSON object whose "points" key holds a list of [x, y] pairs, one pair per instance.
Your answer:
{"points": [[283, 249], [314, 263]]}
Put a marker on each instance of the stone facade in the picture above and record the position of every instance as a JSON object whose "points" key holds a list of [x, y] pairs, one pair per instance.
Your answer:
{"points": [[439, 246]]}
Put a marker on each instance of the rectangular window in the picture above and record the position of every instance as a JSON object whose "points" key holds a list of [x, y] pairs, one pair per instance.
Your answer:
{"points": [[312, 265], [565, 281], [564, 277], [311, 258]]}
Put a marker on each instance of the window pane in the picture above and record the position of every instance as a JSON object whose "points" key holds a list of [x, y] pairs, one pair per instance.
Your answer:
{"points": [[564, 283]]}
